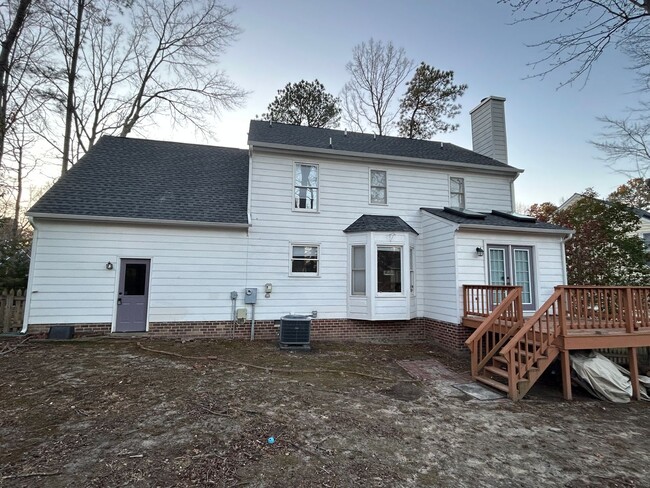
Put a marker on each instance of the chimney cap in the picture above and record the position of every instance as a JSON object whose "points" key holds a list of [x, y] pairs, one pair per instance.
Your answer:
{"points": [[486, 100]]}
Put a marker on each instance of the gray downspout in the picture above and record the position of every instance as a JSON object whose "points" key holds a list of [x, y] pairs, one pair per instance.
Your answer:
{"points": [[252, 321]]}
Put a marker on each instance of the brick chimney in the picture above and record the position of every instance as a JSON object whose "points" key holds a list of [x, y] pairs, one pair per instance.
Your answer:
{"points": [[489, 128]]}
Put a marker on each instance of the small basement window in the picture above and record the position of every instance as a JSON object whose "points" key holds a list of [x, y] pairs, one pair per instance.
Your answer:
{"points": [[304, 260], [389, 269]]}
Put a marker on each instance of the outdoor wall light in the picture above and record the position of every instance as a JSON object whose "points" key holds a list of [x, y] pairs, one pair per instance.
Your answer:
{"points": [[480, 252], [109, 265]]}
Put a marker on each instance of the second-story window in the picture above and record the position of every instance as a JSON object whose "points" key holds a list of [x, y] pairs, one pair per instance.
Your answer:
{"points": [[305, 187], [457, 192], [378, 187]]}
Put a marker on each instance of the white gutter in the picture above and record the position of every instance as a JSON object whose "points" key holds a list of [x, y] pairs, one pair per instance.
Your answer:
{"points": [[564, 271], [250, 185], [30, 281], [514, 229], [130, 220], [383, 157]]}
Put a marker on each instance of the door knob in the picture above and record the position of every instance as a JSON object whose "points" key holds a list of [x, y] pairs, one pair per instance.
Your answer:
{"points": [[119, 301]]}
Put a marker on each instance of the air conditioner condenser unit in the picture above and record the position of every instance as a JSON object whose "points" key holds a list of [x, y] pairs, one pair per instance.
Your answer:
{"points": [[295, 331]]}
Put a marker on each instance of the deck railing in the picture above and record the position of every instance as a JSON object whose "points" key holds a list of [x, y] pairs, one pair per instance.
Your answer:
{"points": [[481, 300], [574, 317], [622, 308], [495, 331]]}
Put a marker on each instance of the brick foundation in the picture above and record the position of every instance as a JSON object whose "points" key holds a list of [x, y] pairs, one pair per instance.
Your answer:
{"points": [[83, 329], [447, 335]]}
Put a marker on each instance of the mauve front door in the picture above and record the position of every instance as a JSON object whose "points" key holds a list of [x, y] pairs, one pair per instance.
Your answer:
{"points": [[132, 295]]}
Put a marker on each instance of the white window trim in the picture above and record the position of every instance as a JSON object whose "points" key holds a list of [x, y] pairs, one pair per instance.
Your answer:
{"points": [[464, 189], [412, 274], [370, 170], [293, 187], [375, 262], [365, 269], [318, 260]]}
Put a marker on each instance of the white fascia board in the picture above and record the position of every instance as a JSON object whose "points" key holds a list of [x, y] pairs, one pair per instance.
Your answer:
{"points": [[379, 158], [129, 220], [503, 228]]}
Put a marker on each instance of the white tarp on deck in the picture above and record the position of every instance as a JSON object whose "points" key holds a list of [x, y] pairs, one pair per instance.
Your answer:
{"points": [[605, 379]]}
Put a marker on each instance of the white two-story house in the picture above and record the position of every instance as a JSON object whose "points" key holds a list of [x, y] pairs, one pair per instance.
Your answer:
{"points": [[373, 236]]}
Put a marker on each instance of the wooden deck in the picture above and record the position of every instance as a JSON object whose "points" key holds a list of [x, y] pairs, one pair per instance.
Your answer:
{"points": [[512, 349]]}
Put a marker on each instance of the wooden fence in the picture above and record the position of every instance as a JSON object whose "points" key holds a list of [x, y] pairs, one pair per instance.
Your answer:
{"points": [[12, 309]]}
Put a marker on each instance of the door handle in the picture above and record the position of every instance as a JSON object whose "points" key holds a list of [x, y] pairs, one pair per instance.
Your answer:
{"points": [[119, 301]]}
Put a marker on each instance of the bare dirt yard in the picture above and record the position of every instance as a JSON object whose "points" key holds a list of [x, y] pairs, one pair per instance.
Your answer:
{"points": [[108, 413]]}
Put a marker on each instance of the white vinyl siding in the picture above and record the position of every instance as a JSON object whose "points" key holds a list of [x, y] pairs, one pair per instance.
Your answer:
{"points": [[343, 199], [193, 271], [438, 270], [546, 259]]}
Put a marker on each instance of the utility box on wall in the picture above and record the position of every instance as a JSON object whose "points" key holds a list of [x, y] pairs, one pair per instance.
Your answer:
{"points": [[250, 295]]}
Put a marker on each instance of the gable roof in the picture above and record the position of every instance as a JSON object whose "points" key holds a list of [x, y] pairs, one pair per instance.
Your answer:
{"points": [[298, 137], [488, 219], [379, 223], [135, 179], [639, 212]]}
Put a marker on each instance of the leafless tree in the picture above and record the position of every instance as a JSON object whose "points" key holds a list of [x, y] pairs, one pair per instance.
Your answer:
{"points": [[377, 71], [22, 102], [13, 19], [593, 27], [176, 45], [20, 165], [157, 60], [625, 144]]}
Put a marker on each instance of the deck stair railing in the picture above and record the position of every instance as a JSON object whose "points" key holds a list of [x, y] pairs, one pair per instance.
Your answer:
{"points": [[510, 353], [532, 349], [481, 300], [493, 333]]}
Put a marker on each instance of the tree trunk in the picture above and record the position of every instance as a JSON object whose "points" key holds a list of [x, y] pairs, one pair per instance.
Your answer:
{"points": [[19, 194], [5, 54], [72, 76]]}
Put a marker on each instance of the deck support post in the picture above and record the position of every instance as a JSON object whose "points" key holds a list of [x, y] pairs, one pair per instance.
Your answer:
{"points": [[566, 375], [634, 372]]}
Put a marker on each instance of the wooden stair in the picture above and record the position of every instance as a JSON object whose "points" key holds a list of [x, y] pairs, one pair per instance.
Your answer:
{"points": [[509, 354], [496, 375]]}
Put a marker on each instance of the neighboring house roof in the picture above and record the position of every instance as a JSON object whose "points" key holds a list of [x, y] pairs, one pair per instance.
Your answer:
{"points": [[135, 179], [639, 212], [277, 135], [379, 223], [494, 219]]}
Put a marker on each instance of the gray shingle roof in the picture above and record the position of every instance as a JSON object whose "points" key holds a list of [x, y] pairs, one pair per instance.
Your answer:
{"points": [[142, 179], [491, 220], [368, 144], [379, 223]]}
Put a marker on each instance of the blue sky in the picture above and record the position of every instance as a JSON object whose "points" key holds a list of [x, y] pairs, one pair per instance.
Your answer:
{"points": [[548, 129]]}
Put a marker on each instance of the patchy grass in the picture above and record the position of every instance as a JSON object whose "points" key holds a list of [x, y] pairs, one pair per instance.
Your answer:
{"points": [[107, 413]]}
